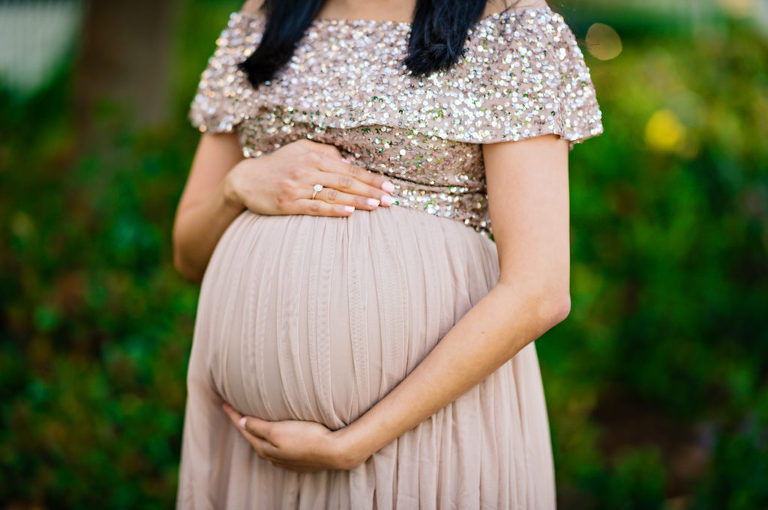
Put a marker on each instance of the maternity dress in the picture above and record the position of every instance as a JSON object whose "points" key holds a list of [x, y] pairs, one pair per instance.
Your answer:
{"points": [[317, 318]]}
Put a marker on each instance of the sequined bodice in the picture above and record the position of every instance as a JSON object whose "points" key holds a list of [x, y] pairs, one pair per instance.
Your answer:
{"points": [[522, 75]]}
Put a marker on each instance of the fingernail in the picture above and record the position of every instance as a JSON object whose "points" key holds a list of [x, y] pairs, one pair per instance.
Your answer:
{"points": [[242, 423], [388, 186], [349, 208], [373, 202], [388, 200]]}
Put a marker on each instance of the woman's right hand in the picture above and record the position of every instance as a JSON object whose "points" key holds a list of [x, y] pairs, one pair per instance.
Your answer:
{"points": [[282, 182]]}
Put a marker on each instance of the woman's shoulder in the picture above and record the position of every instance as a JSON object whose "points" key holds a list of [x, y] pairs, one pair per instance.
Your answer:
{"points": [[498, 6], [223, 94], [252, 7], [249, 22], [507, 21], [522, 74]]}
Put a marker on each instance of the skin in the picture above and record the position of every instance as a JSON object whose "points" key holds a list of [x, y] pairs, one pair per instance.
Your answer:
{"points": [[528, 200], [222, 184]]}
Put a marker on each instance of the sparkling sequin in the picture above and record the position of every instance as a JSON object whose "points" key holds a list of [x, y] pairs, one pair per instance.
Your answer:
{"points": [[522, 75]]}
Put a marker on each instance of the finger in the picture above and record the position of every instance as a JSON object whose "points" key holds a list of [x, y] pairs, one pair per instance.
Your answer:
{"points": [[334, 196], [354, 179], [350, 185], [320, 208], [320, 148], [327, 149], [256, 426], [264, 449], [268, 451], [251, 427], [231, 413]]}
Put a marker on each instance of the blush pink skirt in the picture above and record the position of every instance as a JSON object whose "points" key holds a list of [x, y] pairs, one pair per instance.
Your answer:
{"points": [[315, 318]]}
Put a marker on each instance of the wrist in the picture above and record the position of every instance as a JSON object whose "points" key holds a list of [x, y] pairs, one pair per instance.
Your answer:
{"points": [[352, 449], [230, 190]]}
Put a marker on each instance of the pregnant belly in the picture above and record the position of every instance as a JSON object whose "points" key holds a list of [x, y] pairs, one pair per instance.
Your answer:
{"points": [[317, 318]]}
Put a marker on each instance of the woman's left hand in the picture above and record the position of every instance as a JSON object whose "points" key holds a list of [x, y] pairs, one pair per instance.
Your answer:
{"points": [[301, 446]]}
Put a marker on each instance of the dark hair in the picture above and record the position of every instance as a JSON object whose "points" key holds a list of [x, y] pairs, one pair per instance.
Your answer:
{"points": [[436, 42]]}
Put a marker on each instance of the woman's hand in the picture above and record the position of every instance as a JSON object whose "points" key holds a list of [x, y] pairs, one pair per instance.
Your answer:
{"points": [[282, 182], [301, 446]]}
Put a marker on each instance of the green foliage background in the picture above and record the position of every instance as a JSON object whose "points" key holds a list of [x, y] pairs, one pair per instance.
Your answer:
{"points": [[657, 383]]}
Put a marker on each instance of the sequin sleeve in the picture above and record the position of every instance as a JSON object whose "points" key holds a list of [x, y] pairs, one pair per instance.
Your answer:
{"points": [[538, 83], [224, 95]]}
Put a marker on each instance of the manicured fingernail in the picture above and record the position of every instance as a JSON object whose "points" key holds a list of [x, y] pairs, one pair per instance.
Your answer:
{"points": [[242, 423], [388, 200], [373, 202], [388, 186], [349, 208]]}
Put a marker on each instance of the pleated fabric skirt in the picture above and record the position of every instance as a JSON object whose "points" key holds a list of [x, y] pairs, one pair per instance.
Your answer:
{"points": [[317, 318]]}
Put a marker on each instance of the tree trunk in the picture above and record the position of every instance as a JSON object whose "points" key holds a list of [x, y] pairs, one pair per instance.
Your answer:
{"points": [[123, 65]]}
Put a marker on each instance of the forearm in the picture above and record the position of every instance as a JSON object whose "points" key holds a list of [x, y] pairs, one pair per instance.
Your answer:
{"points": [[504, 321], [199, 227]]}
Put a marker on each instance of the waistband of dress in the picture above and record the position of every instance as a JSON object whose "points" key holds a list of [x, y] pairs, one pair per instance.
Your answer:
{"points": [[454, 202]]}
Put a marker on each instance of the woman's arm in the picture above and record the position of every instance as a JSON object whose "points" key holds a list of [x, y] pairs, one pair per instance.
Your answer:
{"points": [[529, 209], [206, 207]]}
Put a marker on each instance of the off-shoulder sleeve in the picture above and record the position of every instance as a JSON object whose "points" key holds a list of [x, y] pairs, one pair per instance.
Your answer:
{"points": [[537, 82], [224, 92]]}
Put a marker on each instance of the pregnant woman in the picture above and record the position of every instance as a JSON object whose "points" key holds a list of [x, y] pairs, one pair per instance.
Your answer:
{"points": [[378, 214]]}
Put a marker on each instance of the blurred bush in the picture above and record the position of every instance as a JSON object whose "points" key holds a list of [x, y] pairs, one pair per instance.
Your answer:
{"points": [[656, 383]]}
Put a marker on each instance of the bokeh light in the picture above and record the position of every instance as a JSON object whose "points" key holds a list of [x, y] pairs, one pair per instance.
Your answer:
{"points": [[664, 132], [603, 41], [738, 8]]}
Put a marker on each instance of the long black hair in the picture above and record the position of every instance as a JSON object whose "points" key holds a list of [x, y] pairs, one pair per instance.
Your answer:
{"points": [[436, 42]]}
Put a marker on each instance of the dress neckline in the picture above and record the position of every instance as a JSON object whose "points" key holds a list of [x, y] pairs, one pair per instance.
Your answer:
{"points": [[317, 22]]}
